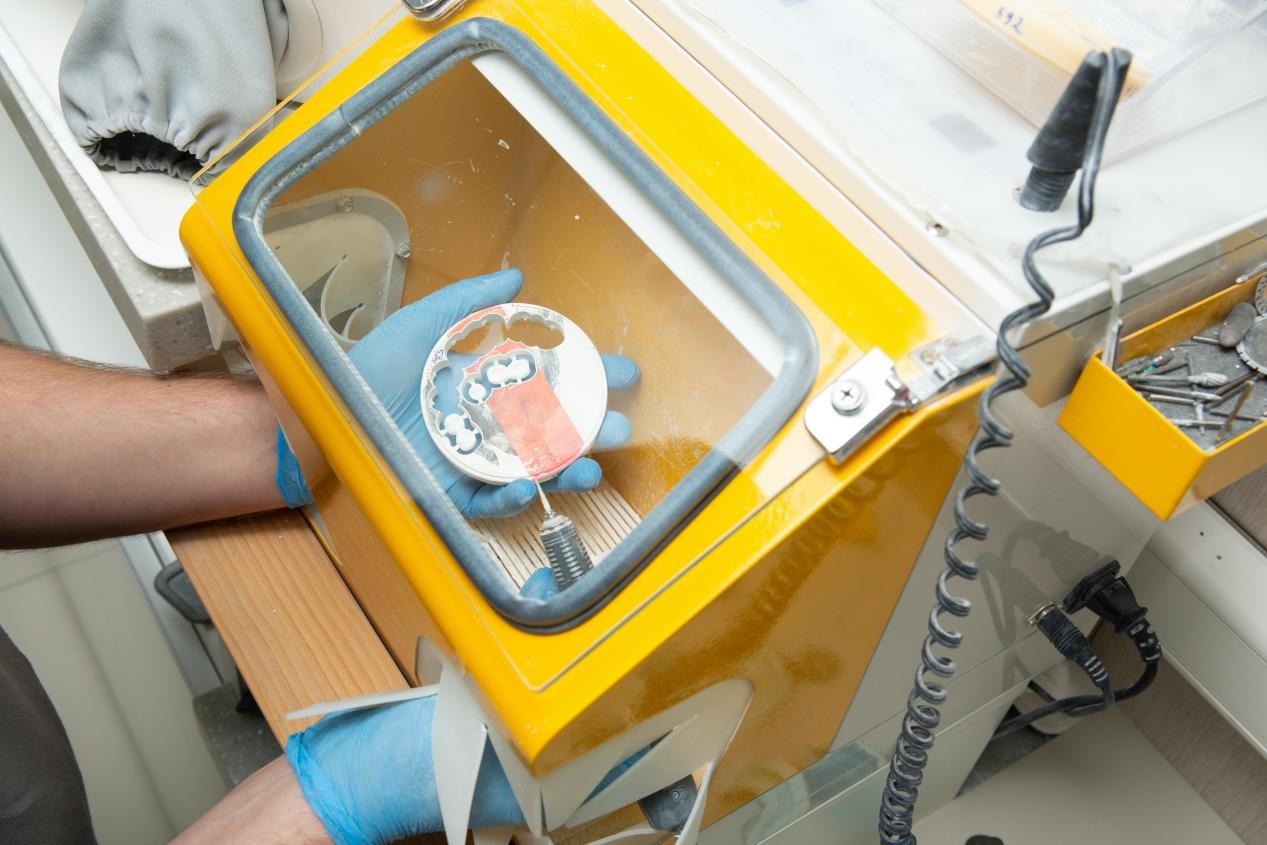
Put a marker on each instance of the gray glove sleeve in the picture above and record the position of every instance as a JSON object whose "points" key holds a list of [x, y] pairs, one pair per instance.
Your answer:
{"points": [[167, 85]]}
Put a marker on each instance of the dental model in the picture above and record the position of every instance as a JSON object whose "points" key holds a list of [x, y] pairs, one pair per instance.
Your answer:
{"points": [[511, 410]]}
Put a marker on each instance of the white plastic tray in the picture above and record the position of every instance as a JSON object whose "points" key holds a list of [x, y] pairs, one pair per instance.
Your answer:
{"points": [[146, 208]]}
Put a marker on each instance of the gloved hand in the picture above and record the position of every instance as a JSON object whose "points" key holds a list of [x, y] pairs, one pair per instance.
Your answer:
{"points": [[369, 776], [391, 359], [540, 585]]}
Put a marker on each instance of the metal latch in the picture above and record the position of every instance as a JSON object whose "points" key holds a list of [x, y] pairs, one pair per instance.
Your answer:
{"points": [[433, 10], [873, 391]]}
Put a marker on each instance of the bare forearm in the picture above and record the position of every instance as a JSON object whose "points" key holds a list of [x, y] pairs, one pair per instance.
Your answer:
{"points": [[89, 452], [265, 809]]}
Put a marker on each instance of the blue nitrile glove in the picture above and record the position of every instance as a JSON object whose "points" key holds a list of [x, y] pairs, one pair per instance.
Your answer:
{"points": [[367, 774], [369, 777], [290, 477], [540, 585], [391, 359]]}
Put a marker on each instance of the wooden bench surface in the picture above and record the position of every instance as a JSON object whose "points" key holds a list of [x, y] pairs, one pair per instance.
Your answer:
{"points": [[295, 630]]}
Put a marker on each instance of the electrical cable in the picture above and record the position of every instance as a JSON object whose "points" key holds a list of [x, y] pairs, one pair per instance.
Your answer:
{"points": [[1076, 706], [915, 740], [1111, 598], [1040, 692]]}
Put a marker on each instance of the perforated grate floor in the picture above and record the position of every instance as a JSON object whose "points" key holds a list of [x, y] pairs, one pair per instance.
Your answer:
{"points": [[603, 518]]}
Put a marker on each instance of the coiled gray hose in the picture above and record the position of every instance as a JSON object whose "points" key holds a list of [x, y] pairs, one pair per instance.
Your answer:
{"points": [[906, 768]]}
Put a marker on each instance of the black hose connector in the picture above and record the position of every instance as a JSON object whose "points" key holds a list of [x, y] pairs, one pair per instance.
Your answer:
{"points": [[1057, 151], [670, 808], [1111, 598], [1063, 635]]}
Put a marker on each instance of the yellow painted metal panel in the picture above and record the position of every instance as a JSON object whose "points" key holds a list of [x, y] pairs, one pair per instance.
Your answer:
{"points": [[797, 591], [803, 620], [1132, 439]]}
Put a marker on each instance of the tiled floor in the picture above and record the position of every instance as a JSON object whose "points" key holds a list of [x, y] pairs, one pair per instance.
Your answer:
{"points": [[241, 741]]}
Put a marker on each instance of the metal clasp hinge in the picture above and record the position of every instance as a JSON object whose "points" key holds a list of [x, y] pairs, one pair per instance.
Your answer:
{"points": [[433, 10], [1038, 615], [873, 391]]}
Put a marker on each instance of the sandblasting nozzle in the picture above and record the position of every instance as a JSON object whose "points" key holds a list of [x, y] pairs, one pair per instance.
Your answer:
{"points": [[1056, 153]]}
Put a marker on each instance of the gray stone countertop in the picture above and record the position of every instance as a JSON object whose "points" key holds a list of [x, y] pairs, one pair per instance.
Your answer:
{"points": [[160, 307]]}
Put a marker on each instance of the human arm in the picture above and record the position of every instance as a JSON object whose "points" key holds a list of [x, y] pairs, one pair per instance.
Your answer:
{"points": [[91, 451], [268, 808], [369, 773]]}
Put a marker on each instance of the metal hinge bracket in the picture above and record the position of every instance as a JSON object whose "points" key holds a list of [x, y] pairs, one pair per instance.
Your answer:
{"points": [[432, 10], [876, 389]]}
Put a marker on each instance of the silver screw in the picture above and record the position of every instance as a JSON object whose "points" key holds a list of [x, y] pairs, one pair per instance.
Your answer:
{"points": [[344, 204], [848, 397], [404, 251]]}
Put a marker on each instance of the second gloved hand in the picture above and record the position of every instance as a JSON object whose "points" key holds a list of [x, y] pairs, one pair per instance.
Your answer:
{"points": [[369, 775]]}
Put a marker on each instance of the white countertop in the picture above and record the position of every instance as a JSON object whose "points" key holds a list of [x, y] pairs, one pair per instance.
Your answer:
{"points": [[128, 222]]}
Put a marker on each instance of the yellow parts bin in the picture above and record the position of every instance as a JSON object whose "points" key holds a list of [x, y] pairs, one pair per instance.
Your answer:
{"points": [[1151, 456], [538, 135]]}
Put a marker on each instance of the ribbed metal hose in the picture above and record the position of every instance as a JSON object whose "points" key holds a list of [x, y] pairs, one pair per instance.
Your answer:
{"points": [[906, 768], [568, 558]]}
